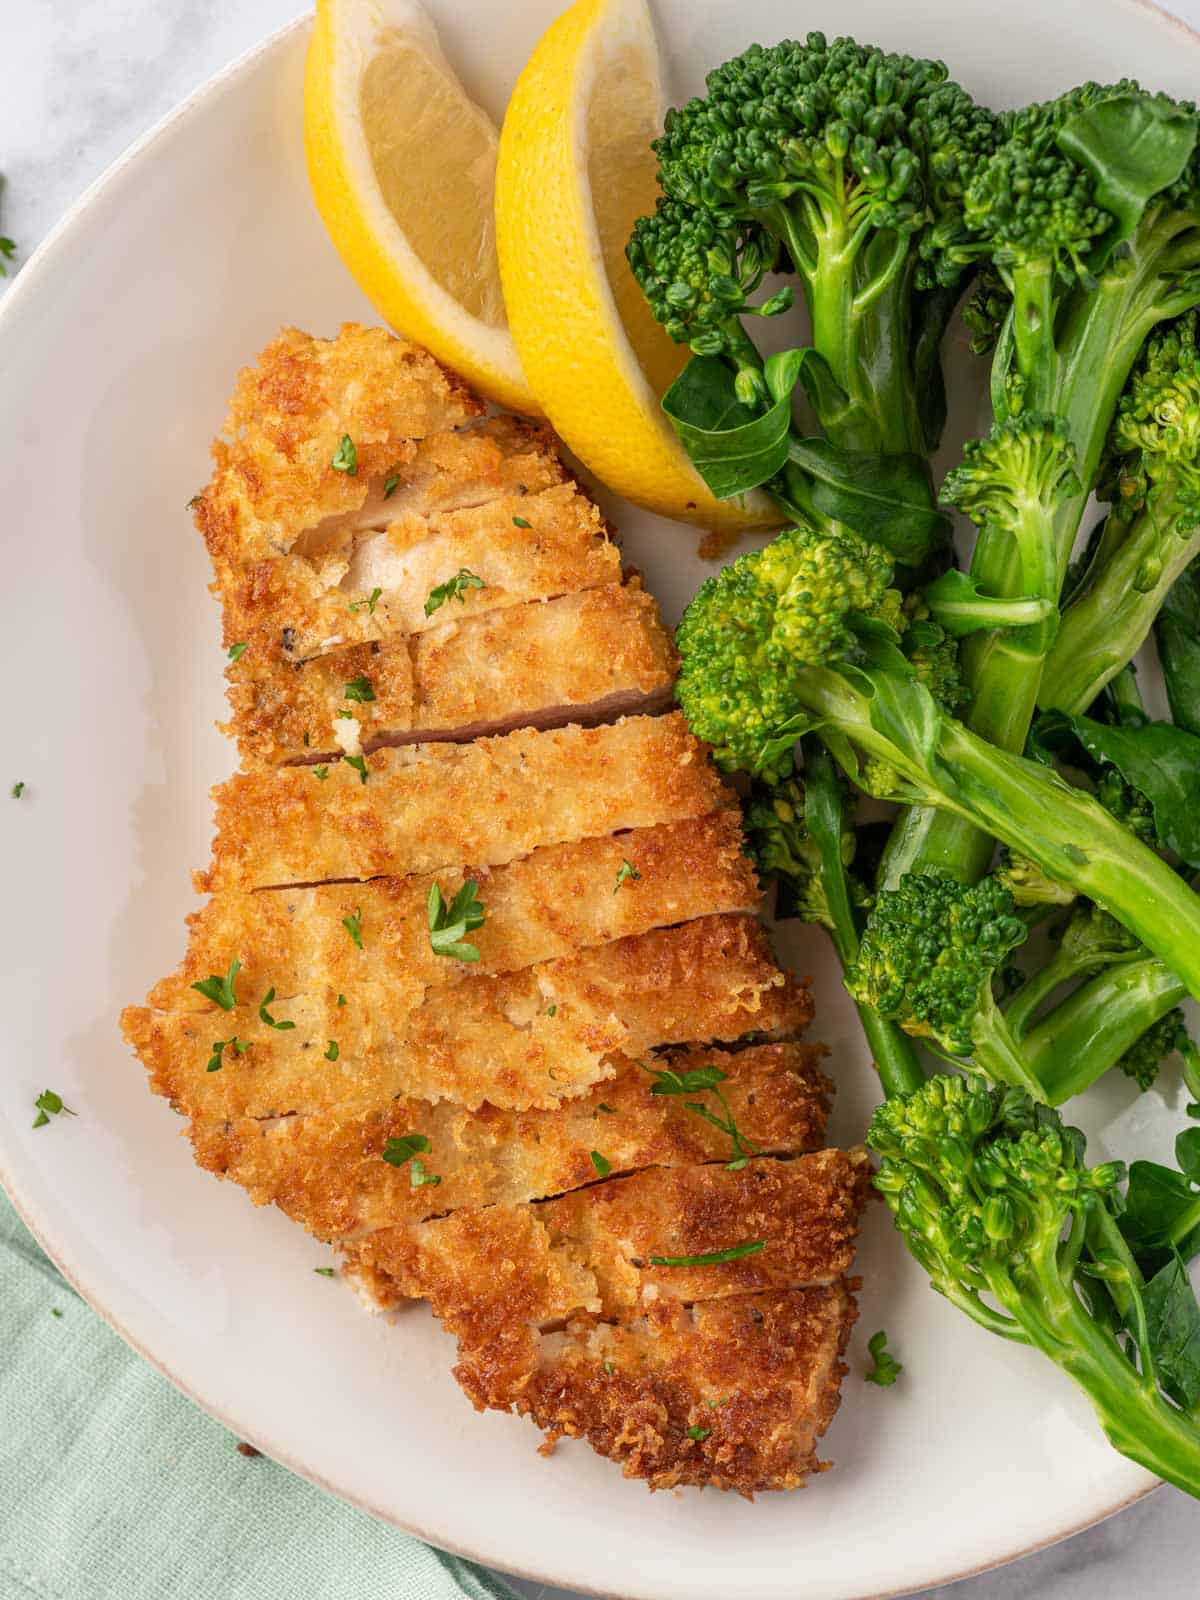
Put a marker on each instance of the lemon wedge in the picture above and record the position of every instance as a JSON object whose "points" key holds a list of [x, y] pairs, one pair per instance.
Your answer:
{"points": [[403, 169], [575, 171]]}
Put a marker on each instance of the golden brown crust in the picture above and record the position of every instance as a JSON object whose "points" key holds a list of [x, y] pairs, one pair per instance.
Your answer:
{"points": [[427, 806], [595, 1249], [543, 906], [274, 475], [520, 1039], [728, 1394], [328, 1171], [578, 657], [521, 547]]}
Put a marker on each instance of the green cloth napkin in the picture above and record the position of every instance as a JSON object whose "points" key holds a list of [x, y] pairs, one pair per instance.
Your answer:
{"points": [[114, 1487]]}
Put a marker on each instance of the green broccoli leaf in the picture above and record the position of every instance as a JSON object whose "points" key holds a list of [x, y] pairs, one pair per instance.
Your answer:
{"points": [[1135, 146], [1173, 1326], [733, 448], [1159, 760], [1177, 632], [887, 499], [958, 606], [1157, 1202]]}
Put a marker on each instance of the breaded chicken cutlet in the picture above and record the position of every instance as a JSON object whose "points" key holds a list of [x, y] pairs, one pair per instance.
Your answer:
{"points": [[478, 994]]}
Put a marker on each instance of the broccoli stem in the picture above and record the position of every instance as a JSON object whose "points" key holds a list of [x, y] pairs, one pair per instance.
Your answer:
{"points": [[1065, 831], [1093, 1028], [1137, 1419], [895, 1058], [1105, 626]]}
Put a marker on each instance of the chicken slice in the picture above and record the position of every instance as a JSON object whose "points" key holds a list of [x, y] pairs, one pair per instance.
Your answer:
{"points": [[618, 1248], [422, 807], [729, 1394], [511, 549], [328, 1172], [521, 1039], [586, 657], [274, 475], [561, 898]]}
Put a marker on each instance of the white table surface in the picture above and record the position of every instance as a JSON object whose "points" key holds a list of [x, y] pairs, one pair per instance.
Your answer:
{"points": [[79, 80]]}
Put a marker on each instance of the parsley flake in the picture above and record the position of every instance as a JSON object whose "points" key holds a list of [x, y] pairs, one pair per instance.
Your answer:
{"points": [[607, 1110], [713, 1259], [359, 689], [885, 1368], [220, 990], [17, 790], [520, 522], [698, 1433], [418, 1177], [320, 773], [368, 604], [237, 651], [601, 1163], [341, 999], [194, 501], [397, 1151], [390, 485], [449, 924], [325, 1272], [345, 457], [626, 874], [49, 1104], [216, 1060], [8, 250], [265, 1016], [359, 763], [353, 926], [453, 589], [55, 1312], [608, 1366], [552, 1011], [705, 1080], [333, 1052]]}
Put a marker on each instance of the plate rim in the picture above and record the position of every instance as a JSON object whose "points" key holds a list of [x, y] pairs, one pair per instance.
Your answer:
{"points": [[46, 252]]}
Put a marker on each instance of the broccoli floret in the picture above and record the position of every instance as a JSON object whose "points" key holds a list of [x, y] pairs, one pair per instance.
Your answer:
{"points": [[993, 1197], [698, 270], [1151, 475], [851, 159], [1143, 1059], [1128, 805], [761, 621], [929, 951]]}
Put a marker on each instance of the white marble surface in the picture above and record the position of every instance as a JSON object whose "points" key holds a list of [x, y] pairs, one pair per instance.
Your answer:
{"points": [[81, 79]]}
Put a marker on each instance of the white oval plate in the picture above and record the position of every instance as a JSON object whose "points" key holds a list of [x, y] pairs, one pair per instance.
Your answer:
{"points": [[118, 347]]}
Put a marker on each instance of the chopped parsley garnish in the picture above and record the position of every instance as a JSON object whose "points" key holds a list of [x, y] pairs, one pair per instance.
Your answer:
{"points": [[353, 925], [265, 1015], [453, 589], [341, 999], [320, 773], [325, 1272], [713, 1259], [705, 1080], [55, 1312], [601, 1163], [49, 1104], [8, 250], [418, 1177], [216, 1060], [17, 790], [194, 501], [397, 1151], [625, 874], [368, 604], [359, 689], [695, 1432], [390, 484], [520, 522], [885, 1368], [359, 763], [332, 1053], [220, 990], [552, 1011], [607, 1110], [237, 651], [608, 1366], [344, 716], [450, 924], [345, 457]]}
